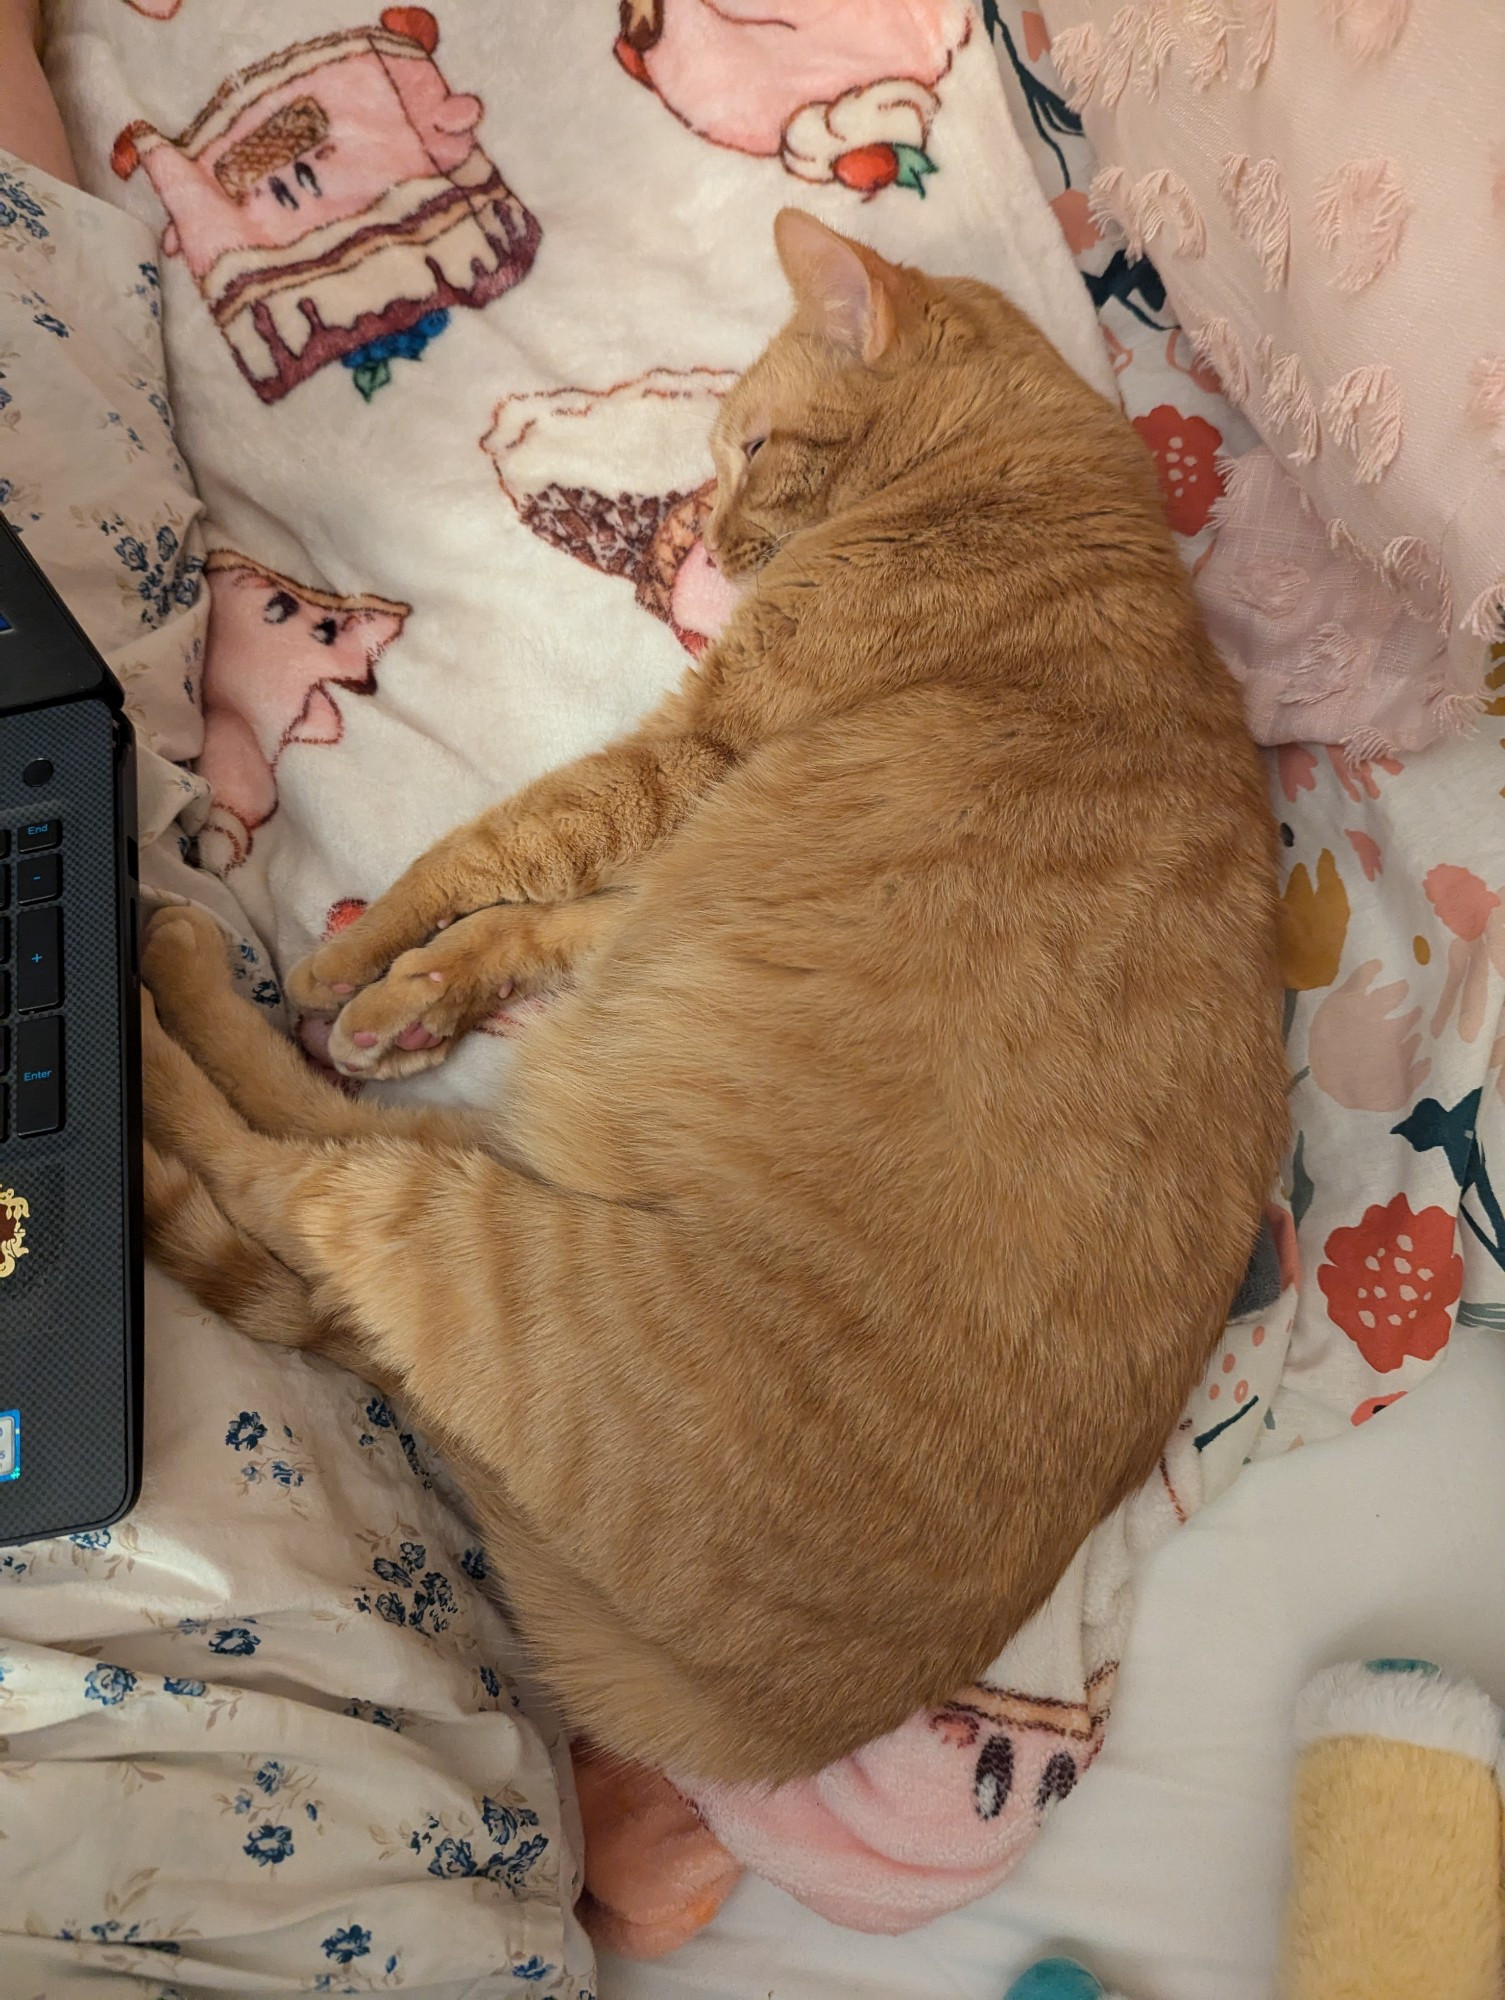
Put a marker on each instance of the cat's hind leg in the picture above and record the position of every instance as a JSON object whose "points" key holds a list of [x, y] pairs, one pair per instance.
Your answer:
{"points": [[229, 1272]]}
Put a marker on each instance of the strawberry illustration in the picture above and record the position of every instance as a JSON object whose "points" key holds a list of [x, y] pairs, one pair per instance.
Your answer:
{"points": [[867, 169]]}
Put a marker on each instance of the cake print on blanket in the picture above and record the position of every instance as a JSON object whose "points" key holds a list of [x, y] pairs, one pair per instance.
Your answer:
{"points": [[332, 204], [840, 91], [621, 479], [275, 650]]}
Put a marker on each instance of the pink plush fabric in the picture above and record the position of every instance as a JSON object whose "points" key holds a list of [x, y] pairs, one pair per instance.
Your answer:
{"points": [[1321, 188]]}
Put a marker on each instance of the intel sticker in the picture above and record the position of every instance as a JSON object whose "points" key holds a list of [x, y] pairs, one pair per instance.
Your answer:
{"points": [[10, 1444]]}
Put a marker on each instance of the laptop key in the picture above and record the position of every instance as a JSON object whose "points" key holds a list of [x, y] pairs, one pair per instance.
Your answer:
{"points": [[41, 833], [39, 880], [39, 959], [39, 1077]]}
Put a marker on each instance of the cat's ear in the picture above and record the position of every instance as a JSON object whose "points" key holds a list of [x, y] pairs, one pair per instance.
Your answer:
{"points": [[842, 289]]}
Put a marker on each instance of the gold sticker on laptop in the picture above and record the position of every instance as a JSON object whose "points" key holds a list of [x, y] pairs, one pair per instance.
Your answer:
{"points": [[15, 1211]]}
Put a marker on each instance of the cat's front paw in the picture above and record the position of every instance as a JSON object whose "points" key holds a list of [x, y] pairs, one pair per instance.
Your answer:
{"points": [[354, 957], [409, 1020]]}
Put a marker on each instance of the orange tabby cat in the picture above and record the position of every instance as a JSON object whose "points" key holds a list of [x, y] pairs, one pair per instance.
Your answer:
{"points": [[860, 1216]]}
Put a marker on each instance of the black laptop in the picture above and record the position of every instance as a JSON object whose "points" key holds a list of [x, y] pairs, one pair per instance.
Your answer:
{"points": [[70, 1074]]}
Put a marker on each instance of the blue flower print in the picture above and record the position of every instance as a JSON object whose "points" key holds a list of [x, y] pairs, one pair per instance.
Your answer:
{"points": [[311, 1810], [235, 1642], [366, 1711], [115, 1932], [192, 1625], [511, 1870], [164, 582], [390, 1572], [246, 1431], [379, 1414], [473, 1562], [432, 1598], [91, 1538], [414, 1554], [50, 323], [171, 1685], [267, 993], [452, 1858], [108, 1685], [490, 1682], [242, 1803], [532, 1968], [285, 1474], [270, 1845], [270, 1776], [20, 209], [502, 1822], [391, 1607], [351, 1943]]}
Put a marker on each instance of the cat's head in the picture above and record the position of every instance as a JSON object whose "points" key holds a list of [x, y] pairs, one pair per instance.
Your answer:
{"points": [[879, 366]]}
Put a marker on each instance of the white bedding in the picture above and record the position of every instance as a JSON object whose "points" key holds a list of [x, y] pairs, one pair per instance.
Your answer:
{"points": [[1165, 1872]]}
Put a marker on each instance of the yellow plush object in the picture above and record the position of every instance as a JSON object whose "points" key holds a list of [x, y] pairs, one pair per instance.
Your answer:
{"points": [[1396, 1839]]}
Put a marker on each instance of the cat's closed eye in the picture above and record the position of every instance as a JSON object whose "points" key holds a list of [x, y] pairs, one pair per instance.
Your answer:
{"points": [[753, 446]]}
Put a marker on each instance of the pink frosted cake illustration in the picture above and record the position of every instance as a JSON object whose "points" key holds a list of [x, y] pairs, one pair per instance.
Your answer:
{"points": [[275, 650], [621, 479], [332, 204], [838, 90]]}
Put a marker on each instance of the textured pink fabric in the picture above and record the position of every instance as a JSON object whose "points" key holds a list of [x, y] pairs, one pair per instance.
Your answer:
{"points": [[1319, 185], [1324, 651]]}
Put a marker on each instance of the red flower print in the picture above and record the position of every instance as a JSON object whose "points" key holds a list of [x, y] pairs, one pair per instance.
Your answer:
{"points": [[1390, 1281], [342, 915], [1184, 449], [1372, 1405]]}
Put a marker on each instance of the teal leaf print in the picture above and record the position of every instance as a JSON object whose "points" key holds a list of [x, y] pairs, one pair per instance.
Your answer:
{"points": [[1302, 1189], [914, 165]]}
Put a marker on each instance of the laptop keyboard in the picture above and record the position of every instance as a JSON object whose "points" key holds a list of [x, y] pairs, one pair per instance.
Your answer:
{"points": [[31, 979]]}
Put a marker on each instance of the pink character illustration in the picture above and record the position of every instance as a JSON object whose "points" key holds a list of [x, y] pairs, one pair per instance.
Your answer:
{"points": [[838, 90], [276, 648], [332, 204], [621, 479]]}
